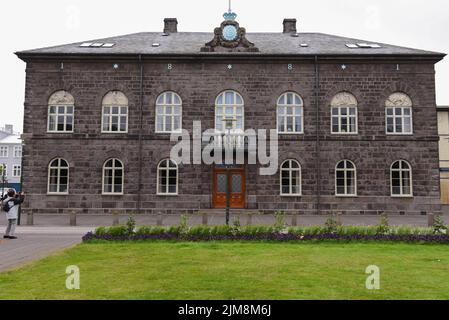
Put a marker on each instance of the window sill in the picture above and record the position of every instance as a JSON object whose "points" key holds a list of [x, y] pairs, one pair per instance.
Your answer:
{"points": [[167, 194], [344, 134], [112, 194], [60, 132], [168, 132], [114, 132], [346, 196], [57, 194], [290, 133], [291, 195], [399, 134]]}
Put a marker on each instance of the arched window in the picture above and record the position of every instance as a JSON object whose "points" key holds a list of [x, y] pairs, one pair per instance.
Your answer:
{"points": [[115, 112], [58, 177], [290, 113], [113, 177], [345, 179], [344, 114], [290, 178], [229, 105], [398, 111], [168, 113], [167, 177], [61, 108], [401, 179]]}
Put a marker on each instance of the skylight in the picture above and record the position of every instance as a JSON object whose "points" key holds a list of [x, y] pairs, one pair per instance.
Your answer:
{"points": [[96, 45], [363, 45]]}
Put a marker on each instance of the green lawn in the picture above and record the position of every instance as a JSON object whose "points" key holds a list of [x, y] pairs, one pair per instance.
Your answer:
{"points": [[167, 270]]}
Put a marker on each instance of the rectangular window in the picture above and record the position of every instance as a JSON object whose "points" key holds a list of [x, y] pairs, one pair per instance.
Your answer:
{"points": [[399, 120], [17, 152], [290, 120], [344, 120], [60, 118], [17, 171], [4, 152], [115, 119]]}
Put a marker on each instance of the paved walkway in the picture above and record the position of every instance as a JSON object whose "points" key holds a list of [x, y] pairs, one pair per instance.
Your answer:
{"points": [[35, 243]]}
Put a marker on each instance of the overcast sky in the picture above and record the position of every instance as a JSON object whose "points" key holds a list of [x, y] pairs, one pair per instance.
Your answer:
{"points": [[33, 24]]}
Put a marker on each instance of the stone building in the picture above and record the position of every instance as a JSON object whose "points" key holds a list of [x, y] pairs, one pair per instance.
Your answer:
{"points": [[356, 122]]}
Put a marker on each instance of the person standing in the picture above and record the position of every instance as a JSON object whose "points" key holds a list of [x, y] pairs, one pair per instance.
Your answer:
{"points": [[11, 207]]}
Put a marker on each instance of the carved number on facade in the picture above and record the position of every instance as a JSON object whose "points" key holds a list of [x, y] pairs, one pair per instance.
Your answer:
{"points": [[290, 67], [169, 66]]}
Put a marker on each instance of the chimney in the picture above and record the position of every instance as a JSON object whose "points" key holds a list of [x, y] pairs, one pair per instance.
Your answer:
{"points": [[9, 128], [170, 25], [290, 26]]}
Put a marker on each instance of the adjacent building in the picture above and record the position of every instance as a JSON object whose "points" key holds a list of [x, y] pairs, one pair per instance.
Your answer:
{"points": [[356, 122], [10, 158], [443, 131]]}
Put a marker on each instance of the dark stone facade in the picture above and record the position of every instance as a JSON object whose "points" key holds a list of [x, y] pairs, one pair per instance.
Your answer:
{"points": [[260, 82]]}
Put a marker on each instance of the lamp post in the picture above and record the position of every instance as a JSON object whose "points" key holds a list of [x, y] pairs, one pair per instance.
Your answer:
{"points": [[229, 125]]}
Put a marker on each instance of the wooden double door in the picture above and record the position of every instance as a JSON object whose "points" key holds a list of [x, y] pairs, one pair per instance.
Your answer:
{"points": [[237, 184]]}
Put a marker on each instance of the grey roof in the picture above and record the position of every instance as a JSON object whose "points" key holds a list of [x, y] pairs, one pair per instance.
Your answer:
{"points": [[190, 43], [11, 139]]}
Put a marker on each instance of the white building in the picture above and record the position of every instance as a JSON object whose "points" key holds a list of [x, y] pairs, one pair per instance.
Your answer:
{"points": [[10, 157]]}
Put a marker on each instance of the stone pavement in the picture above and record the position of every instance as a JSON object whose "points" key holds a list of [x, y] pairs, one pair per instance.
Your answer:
{"points": [[34, 243]]}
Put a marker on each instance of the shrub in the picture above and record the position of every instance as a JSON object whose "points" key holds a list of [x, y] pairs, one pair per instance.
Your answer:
{"points": [[438, 225], [118, 230], [150, 230], [271, 233], [101, 231], [279, 220], [332, 224], [199, 230], [383, 227], [236, 225], [131, 225], [184, 224]]}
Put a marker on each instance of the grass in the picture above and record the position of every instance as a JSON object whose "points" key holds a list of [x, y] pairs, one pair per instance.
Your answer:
{"points": [[235, 270]]}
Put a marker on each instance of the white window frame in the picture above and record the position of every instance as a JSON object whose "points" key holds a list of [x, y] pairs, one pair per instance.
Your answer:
{"points": [[346, 170], [402, 117], [58, 167], [401, 170], [164, 114], [56, 115], [348, 117], [110, 116], [115, 99], [17, 149], [398, 100], [234, 114], [292, 106], [4, 151], [166, 170], [15, 168], [113, 168], [291, 171]]}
